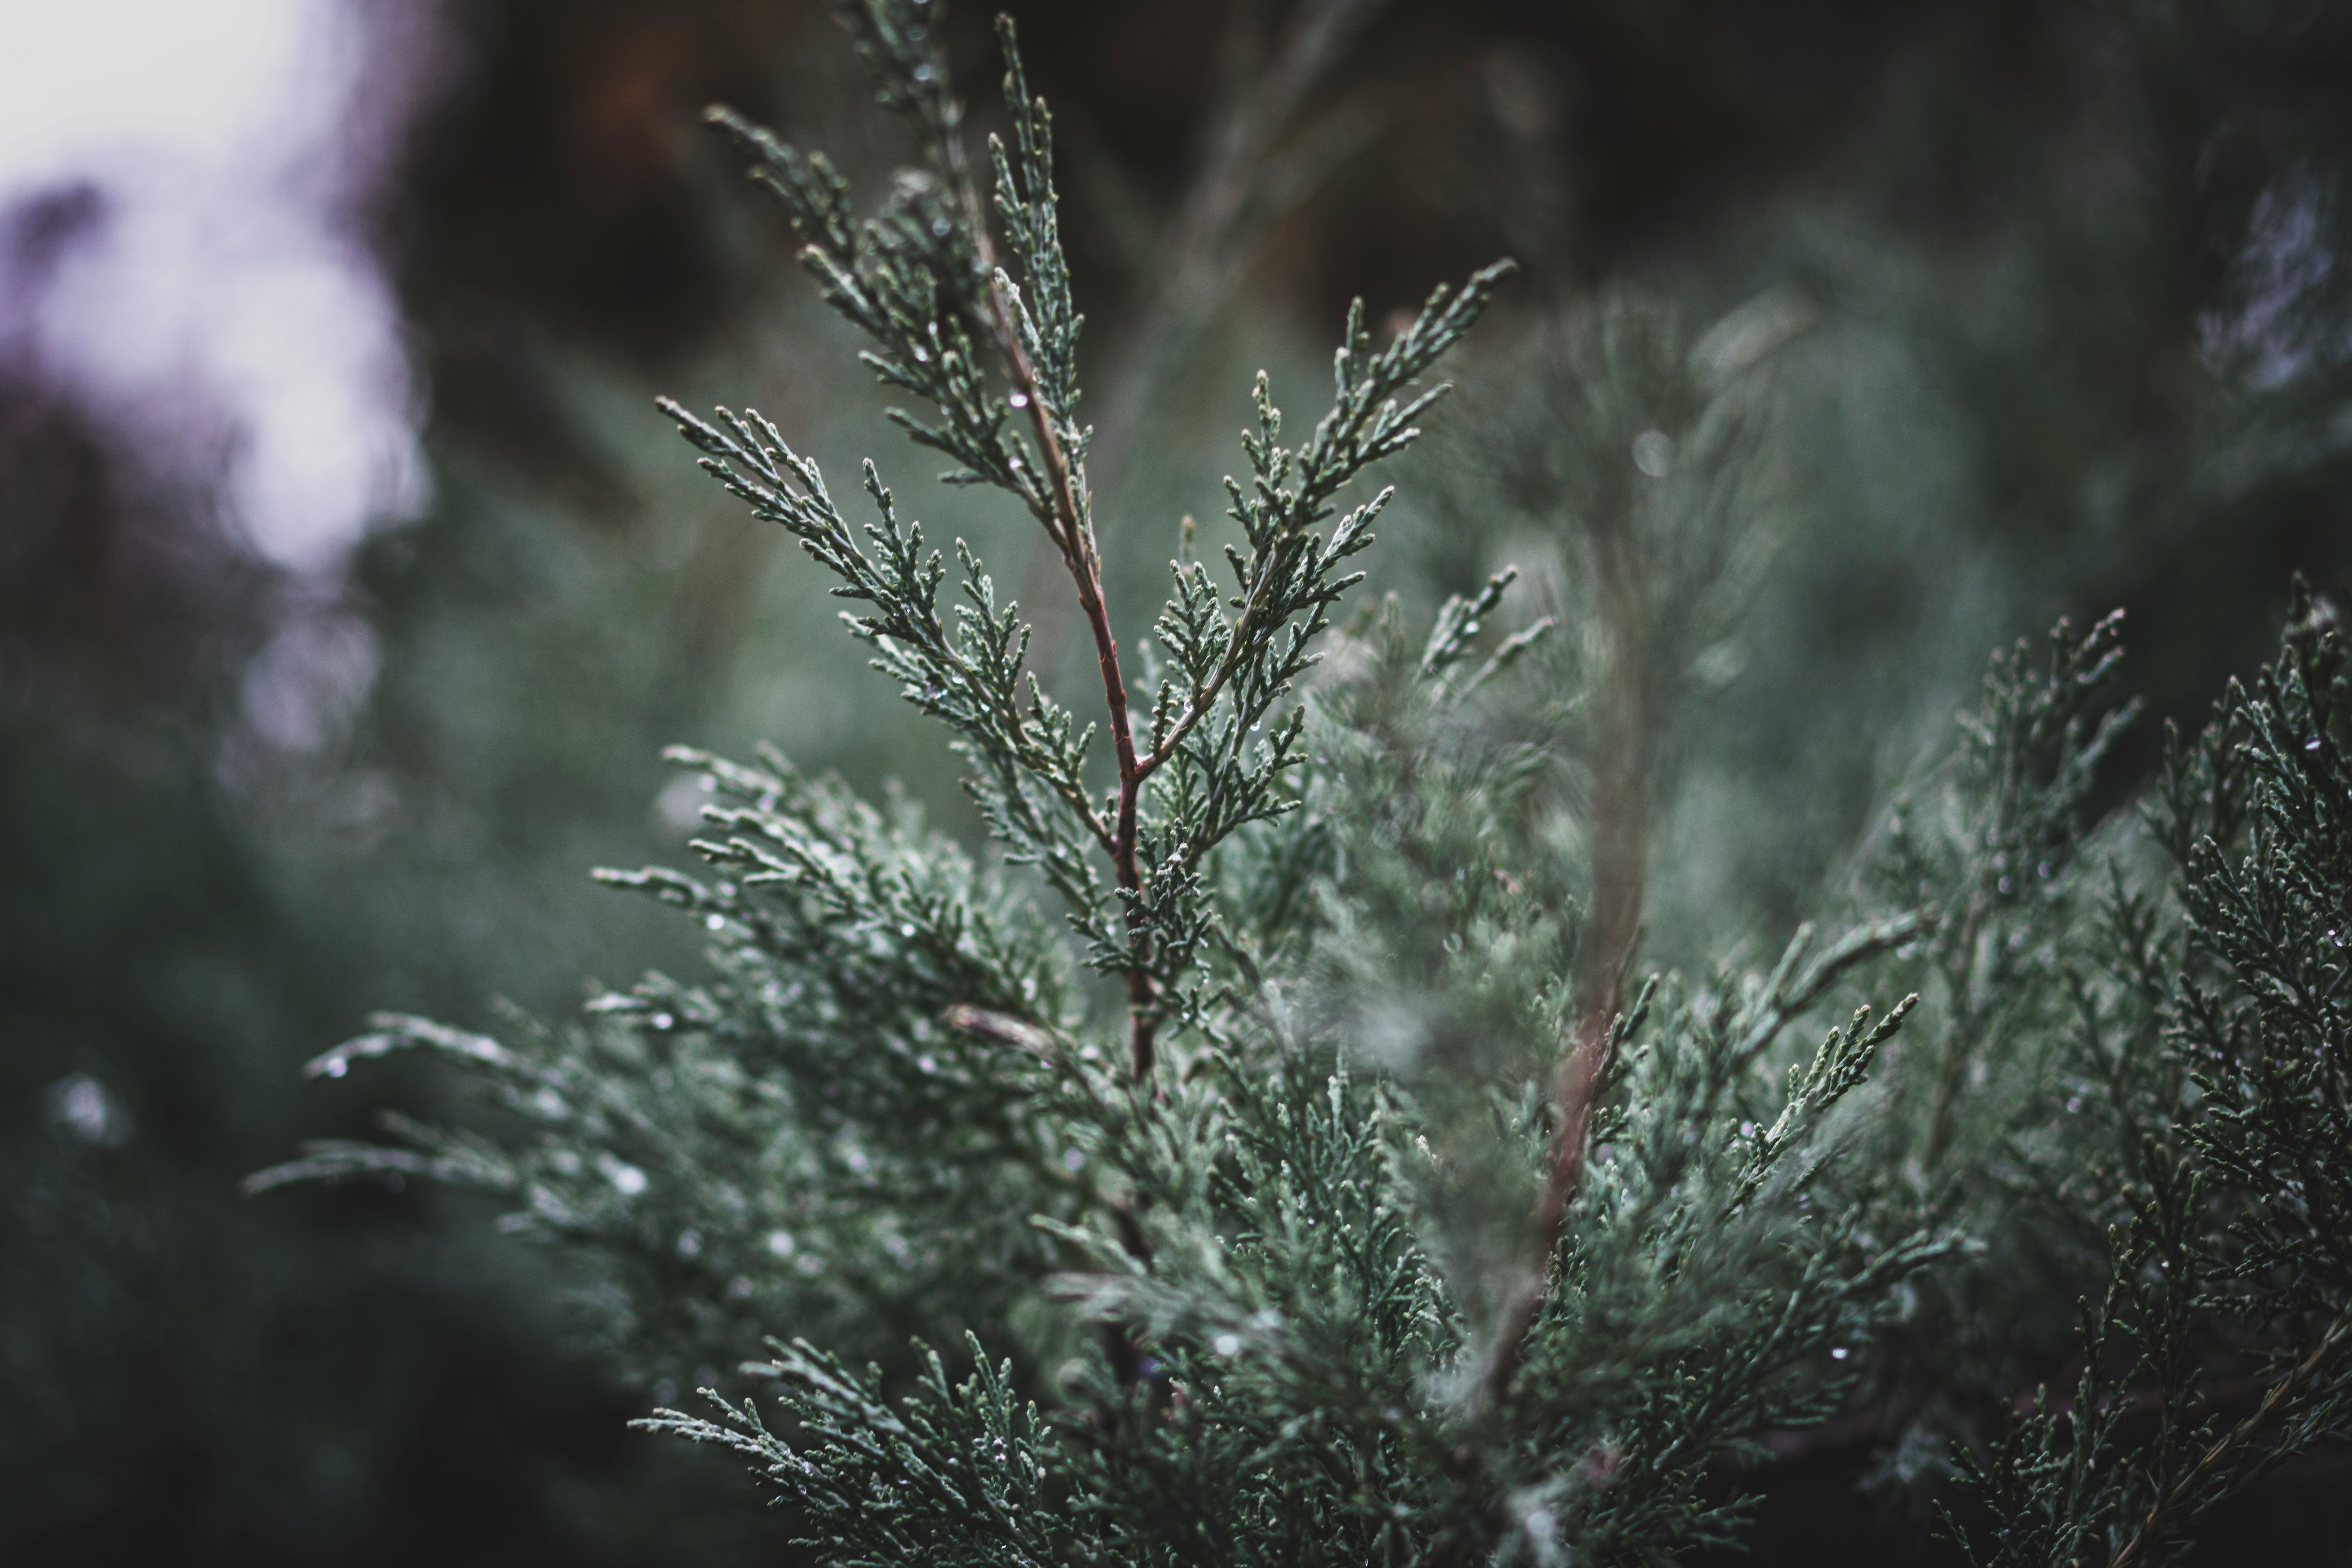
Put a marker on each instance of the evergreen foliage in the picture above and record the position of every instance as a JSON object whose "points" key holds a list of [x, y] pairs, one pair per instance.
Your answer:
{"points": [[2210, 1039], [1330, 1192]]}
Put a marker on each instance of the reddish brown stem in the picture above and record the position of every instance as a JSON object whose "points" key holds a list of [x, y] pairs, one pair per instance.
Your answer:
{"points": [[1069, 522], [1584, 1072], [1580, 1073], [1075, 537], [1620, 822]]}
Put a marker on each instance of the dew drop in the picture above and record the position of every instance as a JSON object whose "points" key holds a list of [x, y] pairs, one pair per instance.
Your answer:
{"points": [[689, 1243], [80, 1104], [1073, 1159], [941, 228], [714, 922], [1840, 1354], [924, 73], [2074, 1104], [780, 1243], [662, 1021], [1227, 1344], [2007, 886], [925, 1065], [1654, 453], [2311, 744], [1019, 400], [338, 1067]]}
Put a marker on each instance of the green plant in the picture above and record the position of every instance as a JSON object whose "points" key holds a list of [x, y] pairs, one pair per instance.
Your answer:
{"points": [[1321, 1186], [2209, 1037]]}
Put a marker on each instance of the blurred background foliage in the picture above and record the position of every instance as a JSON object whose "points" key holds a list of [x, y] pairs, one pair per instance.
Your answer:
{"points": [[2059, 319]]}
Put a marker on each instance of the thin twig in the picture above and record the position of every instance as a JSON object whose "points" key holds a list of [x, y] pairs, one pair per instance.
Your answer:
{"points": [[1621, 818], [1069, 522], [2161, 1513]]}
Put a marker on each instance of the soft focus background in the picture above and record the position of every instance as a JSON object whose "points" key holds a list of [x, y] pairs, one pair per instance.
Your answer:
{"points": [[349, 584]]}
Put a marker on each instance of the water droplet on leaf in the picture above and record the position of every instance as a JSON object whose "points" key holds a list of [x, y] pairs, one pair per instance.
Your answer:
{"points": [[1654, 453]]}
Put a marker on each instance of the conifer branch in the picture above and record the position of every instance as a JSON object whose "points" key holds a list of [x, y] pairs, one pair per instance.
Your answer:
{"points": [[1068, 519], [1620, 831], [2164, 1513], [925, 281], [1308, 1322]]}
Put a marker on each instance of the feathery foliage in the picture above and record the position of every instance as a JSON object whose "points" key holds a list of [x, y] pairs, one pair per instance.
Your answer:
{"points": [[2213, 1044], [1270, 1116]]}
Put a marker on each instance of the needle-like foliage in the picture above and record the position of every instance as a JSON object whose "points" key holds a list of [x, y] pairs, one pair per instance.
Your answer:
{"points": [[2214, 1045], [1270, 1119]]}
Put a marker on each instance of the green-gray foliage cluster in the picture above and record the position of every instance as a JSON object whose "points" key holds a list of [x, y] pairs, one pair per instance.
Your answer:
{"points": [[1267, 1119], [2209, 1039]]}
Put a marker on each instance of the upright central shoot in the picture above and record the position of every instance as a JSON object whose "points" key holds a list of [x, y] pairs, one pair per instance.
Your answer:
{"points": [[996, 360]]}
